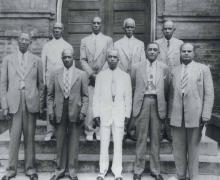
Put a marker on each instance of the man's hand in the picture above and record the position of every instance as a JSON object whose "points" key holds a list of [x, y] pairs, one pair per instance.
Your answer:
{"points": [[126, 124], [204, 122], [81, 118], [96, 121], [6, 115], [92, 80], [52, 119]]}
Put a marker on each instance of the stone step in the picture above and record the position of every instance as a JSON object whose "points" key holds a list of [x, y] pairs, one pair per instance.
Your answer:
{"points": [[208, 146], [89, 163]]}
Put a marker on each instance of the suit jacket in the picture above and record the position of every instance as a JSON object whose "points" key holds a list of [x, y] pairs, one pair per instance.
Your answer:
{"points": [[78, 98], [170, 56], [93, 54], [11, 77], [129, 56], [139, 83], [198, 95], [104, 107]]}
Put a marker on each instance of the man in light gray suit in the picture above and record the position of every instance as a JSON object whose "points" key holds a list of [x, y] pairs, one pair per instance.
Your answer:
{"points": [[22, 100], [170, 55], [93, 55], [131, 50], [68, 101], [150, 84], [190, 106]]}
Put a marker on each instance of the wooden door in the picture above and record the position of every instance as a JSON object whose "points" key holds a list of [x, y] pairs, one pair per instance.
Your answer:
{"points": [[77, 16]]}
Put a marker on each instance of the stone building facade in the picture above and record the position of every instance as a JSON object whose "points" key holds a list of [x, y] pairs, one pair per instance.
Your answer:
{"points": [[197, 21]]}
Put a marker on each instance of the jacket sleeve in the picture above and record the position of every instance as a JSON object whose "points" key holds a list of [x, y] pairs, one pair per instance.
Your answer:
{"points": [[84, 59], [4, 83], [84, 94], [208, 98], [40, 84], [44, 62], [96, 97], [170, 95], [143, 56], [51, 93], [128, 97]]}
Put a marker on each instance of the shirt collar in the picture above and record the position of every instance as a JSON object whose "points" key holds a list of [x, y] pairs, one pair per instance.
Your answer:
{"points": [[96, 35], [153, 63], [132, 37]]}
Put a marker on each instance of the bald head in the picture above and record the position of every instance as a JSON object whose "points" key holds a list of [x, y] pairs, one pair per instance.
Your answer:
{"points": [[186, 53], [96, 25], [168, 29], [58, 30]]}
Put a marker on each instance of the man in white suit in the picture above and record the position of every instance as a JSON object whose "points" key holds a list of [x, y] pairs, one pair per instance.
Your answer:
{"points": [[190, 107], [51, 59], [93, 55], [131, 50], [170, 55], [112, 108]]}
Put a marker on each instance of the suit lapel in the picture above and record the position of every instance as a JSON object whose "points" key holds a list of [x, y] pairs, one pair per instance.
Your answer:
{"points": [[159, 73], [100, 45], [75, 76], [60, 79], [90, 44], [124, 47], [29, 64], [143, 72], [16, 65]]}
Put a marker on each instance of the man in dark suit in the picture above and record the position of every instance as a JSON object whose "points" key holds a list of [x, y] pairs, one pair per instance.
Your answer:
{"points": [[190, 107], [22, 100], [150, 81], [68, 101]]}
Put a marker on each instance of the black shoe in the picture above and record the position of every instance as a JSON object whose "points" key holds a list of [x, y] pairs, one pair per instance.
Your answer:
{"points": [[54, 177], [137, 177], [33, 177], [157, 177], [73, 178], [7, 177], [99, 178], [119, 178]]}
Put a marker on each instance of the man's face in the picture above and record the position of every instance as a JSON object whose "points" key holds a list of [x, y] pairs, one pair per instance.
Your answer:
{"points": [[96, 25], [152, 52], [67, 58], [57, 30], [129, 29], [112, 59], [168, 30], [186, 54], [24, 42]]}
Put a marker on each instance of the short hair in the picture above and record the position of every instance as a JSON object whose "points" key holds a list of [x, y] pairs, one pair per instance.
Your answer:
{"points": [[27, 33], [112, 49], [97, 17], [58, 24], [187, 43], [169, 21], [68, 49], [127, 20], [153, 42]]}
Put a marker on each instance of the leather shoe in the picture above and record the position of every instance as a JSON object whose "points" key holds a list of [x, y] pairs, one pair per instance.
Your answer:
{"points": [[54, 177], [137, 177], [119, 178], [99, 178], [157, 177], [73, 178], [33, 177]]}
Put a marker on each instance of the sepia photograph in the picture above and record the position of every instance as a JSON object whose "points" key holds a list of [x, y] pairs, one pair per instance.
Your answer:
{"points": [[109, 89]]}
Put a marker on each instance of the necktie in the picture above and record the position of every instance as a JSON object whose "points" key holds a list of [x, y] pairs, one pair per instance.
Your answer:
{"points": [[66, 85], [168, 43], [113, 87], [184, 79], [22, 64]]}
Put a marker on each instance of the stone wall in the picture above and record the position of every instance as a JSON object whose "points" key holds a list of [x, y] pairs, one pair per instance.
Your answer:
{"points": [[198, 22]]}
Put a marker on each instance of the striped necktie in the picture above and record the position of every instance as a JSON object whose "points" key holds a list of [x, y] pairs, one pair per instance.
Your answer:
{"points": [[66, 85], [113, 87], [184, 79]]}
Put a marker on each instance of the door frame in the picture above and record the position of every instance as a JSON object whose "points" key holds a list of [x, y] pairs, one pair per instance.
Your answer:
{"points": [[153, 16]]}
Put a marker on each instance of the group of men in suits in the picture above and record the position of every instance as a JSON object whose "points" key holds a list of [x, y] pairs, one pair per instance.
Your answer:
{"points": [[160, 87]]}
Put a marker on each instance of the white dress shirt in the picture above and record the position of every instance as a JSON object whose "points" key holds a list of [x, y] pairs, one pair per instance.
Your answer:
{"points": [[151, 77]]}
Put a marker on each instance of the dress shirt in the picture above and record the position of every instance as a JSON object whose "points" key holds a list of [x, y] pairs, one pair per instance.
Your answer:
{"points": [[151, 77]]}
